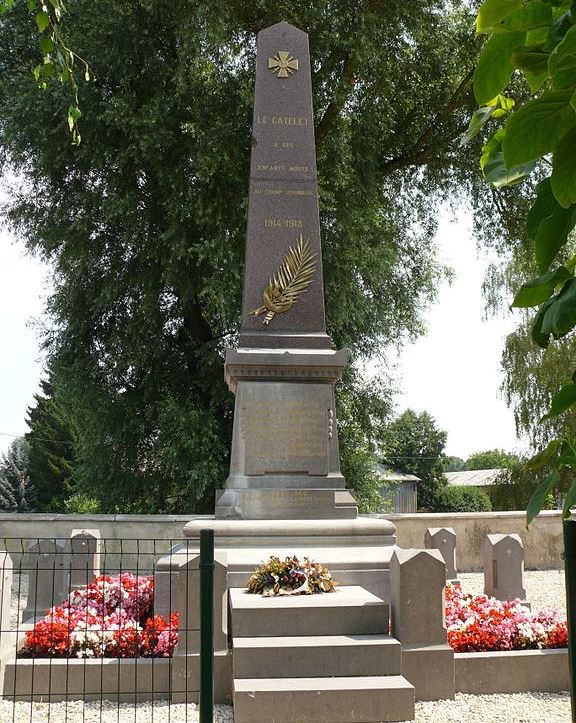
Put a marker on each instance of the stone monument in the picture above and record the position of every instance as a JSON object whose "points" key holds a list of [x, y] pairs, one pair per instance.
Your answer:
{"points": [[285, 459], [285, 493]]}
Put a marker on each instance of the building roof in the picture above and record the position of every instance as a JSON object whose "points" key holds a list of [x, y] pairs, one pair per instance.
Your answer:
{"points": [[394, 475], [472, 478]]}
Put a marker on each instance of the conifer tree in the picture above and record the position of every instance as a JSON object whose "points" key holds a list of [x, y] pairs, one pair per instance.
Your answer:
{"points": [[52, 458], [17, 493]]}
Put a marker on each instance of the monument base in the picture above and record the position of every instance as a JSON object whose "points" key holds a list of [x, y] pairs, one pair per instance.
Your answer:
{"points": [[285, 461], [285, 504], [357, 551]]}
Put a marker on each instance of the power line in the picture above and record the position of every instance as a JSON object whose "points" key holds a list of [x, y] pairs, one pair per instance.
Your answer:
{"points": [[37, 439], [60, 441]]}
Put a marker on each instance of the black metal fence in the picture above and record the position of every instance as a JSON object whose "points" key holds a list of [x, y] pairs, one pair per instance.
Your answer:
{"points": [[99, 629]]}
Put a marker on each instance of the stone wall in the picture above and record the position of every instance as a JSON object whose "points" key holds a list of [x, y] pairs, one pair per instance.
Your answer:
{"points": [[542, 542]]}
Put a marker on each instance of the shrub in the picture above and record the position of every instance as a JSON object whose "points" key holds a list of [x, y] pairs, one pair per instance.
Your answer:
{"points": [[462, 499]]}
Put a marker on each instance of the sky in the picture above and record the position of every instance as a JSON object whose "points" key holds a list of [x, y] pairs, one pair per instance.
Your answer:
{"points": [[23, 286], [452, 372]]}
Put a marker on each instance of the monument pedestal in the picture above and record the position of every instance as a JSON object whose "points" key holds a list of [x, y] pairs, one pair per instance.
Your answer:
{"points": [[285, 461], [357, 551]]}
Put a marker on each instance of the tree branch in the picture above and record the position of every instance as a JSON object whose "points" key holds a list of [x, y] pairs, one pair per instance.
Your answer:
{"points": [[345, 84], [426, 143]]}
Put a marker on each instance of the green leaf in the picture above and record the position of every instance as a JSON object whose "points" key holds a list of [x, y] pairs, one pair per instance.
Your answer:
{"points": [[562, 24], [536, 291], [46, 45], [493, 166], [534, 129], [42, 21], [540, 494], [560, 317], [548, 224], [73, 115], [563, 178], [492, 12], [563, 50], [495, 66], [546, 456], [569, 500], [31, 5], [496, 173], [543, 207], [533, 15], [479, 118], [534, 64], [538, 335], [47, 69], [567, 456], [552, 235], [561, 401]]}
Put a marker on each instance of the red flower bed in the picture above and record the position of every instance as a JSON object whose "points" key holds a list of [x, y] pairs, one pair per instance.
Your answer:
{"points": [[480, 623], [111, 617]]}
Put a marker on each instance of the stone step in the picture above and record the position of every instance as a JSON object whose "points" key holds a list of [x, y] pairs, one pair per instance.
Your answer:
{"points": [[350, 610], [368, 699], [301, 657]]}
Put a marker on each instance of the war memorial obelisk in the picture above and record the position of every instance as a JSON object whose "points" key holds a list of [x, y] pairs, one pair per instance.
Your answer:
{"points": [[285, 458], [285, 493]]}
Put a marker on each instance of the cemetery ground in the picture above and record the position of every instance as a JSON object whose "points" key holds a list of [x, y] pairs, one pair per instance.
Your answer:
{"points": [[545, 590]]}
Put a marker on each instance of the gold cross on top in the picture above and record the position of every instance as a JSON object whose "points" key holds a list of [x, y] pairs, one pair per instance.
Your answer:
{"points": [[283, 64]]}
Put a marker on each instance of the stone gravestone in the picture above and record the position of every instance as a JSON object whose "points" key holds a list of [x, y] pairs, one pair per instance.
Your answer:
{"points": [[417, 619], [504, 567], [46, 562], [444, 540], [84, 558], [285, 459]]}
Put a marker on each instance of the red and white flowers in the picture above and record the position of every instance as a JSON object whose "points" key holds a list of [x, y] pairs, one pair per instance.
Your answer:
{"points": [[111, 617], [481, 623]]}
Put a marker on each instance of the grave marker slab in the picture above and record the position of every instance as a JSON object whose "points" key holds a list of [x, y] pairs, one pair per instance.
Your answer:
{"points": [[504, 567]]}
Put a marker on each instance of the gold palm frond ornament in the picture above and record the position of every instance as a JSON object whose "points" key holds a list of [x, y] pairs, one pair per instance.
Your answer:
{"points": [[289, 282]]}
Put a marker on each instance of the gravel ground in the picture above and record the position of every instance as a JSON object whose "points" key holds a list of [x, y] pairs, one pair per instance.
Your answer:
{"points": [[517, 708], [544, 589]]}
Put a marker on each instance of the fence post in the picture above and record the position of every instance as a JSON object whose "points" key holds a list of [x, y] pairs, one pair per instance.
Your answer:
{"points": [[206, 626], [570, 572]]}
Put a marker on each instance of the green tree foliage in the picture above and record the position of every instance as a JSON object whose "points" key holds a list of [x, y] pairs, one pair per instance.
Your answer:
{"points": [[513, 488], [144, 221], [462, 499], [17, 493], [536, 134], [531, 379], [491, 459], [52, 456], [452, 464], [57, 60], [363, 409], [413, 443]]}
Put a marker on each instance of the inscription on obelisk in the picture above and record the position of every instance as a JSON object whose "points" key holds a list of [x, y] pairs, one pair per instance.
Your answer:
{"points": [[283, 201]]}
